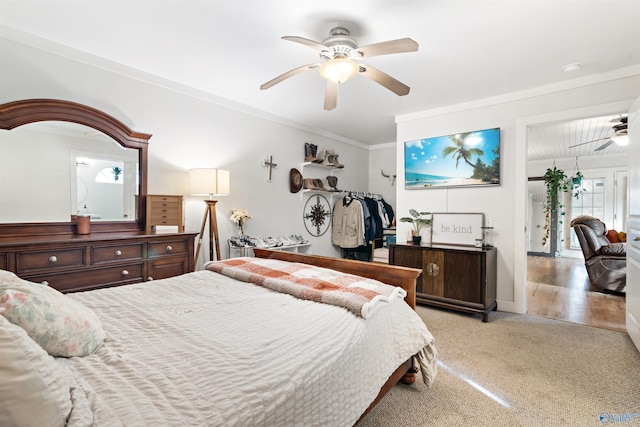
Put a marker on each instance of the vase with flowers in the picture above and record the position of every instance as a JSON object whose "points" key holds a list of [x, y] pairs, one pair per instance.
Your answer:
{"points": [[240, 216], [419, 221]]}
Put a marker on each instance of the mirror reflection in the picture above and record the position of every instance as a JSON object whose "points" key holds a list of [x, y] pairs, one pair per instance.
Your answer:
{"points": [[52, 170]]}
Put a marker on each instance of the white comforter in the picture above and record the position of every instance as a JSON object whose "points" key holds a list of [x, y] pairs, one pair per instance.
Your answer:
{"points": [[205, 350]]}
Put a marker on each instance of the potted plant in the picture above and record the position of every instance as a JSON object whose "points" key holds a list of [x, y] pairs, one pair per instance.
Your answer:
{"points": [[116, 172], [576, 185], [418, 220]]}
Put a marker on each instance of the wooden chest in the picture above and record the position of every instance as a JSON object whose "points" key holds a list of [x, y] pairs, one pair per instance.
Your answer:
{"points": [[165, 210]]}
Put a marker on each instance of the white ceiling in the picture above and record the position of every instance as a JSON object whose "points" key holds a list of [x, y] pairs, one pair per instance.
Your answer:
{"points": [[468, 49], [573, 139]]}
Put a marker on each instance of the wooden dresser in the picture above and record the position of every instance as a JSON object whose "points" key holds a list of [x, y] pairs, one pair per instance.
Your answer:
{"points": [[119, 250], [456, 277], [71, 263]]}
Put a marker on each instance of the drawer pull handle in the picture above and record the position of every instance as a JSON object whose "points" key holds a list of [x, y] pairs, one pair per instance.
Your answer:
{"points": [[53, 258], [44, 282], [169, 248], [118, 252], [125, 273], [433, 269]]}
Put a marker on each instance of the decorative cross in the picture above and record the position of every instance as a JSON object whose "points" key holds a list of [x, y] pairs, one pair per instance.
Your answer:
{"points": [[269, 163]]}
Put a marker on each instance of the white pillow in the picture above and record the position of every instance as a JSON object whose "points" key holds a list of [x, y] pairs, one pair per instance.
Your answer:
{"points": [[61, 325], [33, 388]]}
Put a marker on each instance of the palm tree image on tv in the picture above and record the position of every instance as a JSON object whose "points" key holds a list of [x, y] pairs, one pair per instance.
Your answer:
{"points": [[460, 150], [464, 159]]}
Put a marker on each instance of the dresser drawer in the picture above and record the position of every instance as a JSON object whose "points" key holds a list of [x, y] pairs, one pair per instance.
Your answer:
{"points": [[167, 267], [156, 199], [90, 279], [116, 253], [164, 218], [165, 206], [173, 247], [49, 260]]}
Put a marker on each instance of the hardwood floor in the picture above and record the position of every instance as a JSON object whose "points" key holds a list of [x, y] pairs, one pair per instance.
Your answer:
{"points": [[558, 288]]}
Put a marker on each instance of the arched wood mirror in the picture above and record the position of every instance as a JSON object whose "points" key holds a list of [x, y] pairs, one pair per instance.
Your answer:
{"points": [[60, 158]]}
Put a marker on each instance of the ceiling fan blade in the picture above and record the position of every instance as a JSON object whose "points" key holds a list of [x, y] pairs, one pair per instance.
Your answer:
{"points": [[286, 75], [388, 47], [605, 145], [331, 95], [384, 79], [588, 142], [309, 43]]}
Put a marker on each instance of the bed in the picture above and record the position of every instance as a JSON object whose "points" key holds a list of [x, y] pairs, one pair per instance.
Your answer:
{"points": [[204, 348]]}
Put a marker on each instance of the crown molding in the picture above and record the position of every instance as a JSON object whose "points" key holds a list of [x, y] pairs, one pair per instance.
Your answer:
{"points": [[620, 73]]}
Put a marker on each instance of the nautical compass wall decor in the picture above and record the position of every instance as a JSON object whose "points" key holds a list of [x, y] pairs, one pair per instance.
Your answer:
{"points": [[317, 215]]}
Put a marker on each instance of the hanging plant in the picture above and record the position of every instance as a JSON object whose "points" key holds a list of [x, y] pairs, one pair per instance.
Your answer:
{"points": [[576, 182], [116, 172], [555, 181], [576, 185]]}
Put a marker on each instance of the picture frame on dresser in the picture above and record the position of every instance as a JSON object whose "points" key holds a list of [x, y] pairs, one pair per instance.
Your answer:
{"points": [[458, 228]]}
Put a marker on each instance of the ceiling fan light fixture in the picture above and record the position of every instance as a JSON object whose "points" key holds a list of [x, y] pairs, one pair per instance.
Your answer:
{"points": [[339, 70], [621, 138]]}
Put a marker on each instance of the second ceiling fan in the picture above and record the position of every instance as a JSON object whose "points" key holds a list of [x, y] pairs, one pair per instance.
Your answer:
{"points": [[620, 135], [339, 53]]}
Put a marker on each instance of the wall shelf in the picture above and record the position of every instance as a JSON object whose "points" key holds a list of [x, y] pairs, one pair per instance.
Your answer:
{"points": [[319, 166]]}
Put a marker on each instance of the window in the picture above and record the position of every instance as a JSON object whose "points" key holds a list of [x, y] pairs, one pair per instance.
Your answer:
{"points": [[111, 175], [590, 202]]}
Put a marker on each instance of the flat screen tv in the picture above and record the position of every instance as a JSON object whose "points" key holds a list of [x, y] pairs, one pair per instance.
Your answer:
{"points": [[460, 160]]}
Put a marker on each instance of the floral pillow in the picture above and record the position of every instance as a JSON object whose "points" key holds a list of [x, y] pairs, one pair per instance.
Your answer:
{"points": [[61, 325], [34, 390]]}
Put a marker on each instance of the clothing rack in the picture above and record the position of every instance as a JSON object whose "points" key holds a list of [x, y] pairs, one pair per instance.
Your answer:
{"points": [[365, 252]]}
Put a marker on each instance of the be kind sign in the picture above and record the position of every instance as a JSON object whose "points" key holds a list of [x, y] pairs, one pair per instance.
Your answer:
{"points": [[456, 228]]}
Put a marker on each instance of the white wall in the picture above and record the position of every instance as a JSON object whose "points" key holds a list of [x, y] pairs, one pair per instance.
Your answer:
{"points": [[505, 206], [383, 158], [192, 130]]}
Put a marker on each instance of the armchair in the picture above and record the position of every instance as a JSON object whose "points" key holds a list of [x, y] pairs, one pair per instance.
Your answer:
{"points": [[606, 262]]}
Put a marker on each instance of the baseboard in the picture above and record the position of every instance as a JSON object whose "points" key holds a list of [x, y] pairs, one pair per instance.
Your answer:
{"points": [[633, 329], [508, 306]]}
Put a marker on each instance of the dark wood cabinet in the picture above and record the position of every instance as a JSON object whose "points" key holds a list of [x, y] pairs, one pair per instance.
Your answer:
{"points": [[455, 277], [78, 263]]}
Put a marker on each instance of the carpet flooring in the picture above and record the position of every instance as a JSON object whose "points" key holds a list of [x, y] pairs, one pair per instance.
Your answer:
{"points": [[519, 370]]}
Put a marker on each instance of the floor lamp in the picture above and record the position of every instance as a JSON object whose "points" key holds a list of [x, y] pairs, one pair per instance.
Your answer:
{"points": [[211, 182]]}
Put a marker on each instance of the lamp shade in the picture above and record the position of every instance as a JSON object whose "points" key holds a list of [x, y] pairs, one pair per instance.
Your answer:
{"points": [[339, 70], [208, 182]]}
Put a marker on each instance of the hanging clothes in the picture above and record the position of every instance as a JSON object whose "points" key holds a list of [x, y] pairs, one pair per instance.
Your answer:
{"points": [[388, 212], [347, 229]]}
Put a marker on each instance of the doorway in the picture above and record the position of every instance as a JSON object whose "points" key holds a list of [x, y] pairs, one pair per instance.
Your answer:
{"points": [[557, 286]]}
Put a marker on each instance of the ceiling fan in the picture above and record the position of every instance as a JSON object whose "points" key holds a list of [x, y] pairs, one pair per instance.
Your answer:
{"points": [[339, 53], [620, 135]]}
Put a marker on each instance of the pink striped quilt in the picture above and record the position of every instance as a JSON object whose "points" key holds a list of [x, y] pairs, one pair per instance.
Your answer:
{"points": [[357, 294]]}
